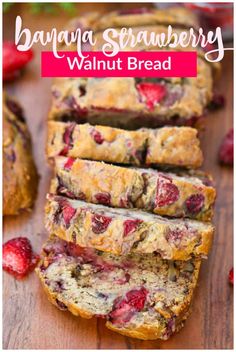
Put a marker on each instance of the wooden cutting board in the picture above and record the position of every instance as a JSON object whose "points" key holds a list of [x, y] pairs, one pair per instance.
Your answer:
{"points": [[29, 320]]}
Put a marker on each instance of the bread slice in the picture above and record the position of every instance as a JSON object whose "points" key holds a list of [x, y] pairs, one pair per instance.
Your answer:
{"points": [[121, 231], [167, 146], [126, 102], [164, 194], [139, 296]]}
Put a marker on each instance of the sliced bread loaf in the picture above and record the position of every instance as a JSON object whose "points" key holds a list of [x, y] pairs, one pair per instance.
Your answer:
{"points": [[131, 103]]}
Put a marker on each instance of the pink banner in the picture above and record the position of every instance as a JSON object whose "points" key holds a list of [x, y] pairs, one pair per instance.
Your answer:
{"points": [[124, 64]]}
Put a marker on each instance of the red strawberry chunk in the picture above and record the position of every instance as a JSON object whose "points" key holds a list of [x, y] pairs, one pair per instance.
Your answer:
{"points": [[67, 139], [68, 164], [137, 298], [68, 212], [123, 280], [76, 251], [88, 255], [231, 276], [56, 247], [18, 257], [100, 223], [226, 152], [14, 60], [97, 136], [167, 192], [175, 236], [195, 203], [64, 151], [124, 309], [103, 198], [131, 226], [68, 133], [121, 314], [151, 93]]}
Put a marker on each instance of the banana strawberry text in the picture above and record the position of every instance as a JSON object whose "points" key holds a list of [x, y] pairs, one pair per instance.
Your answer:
{"points": [[124, 39]]}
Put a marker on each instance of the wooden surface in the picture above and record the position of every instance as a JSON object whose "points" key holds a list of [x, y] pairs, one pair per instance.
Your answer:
{"points": [[29, 320]]}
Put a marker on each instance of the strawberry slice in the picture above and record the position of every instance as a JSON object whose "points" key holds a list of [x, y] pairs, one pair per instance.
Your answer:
{"points": [[18, 257], [68, 212], [67, 139], [14, 60], [68, 164], [130, 226], [195, 203], [151, 93], [167, 192], [97, 136], [100, 223], [125, 308]]}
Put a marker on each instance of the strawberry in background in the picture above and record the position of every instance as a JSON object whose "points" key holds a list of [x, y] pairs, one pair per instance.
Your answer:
{"points": [[231, 276], [226, 151], [14, 60]]}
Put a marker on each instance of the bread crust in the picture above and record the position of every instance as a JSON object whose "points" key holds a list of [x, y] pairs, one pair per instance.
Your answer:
{"points": [[148, 331], [19, 172], [167, 146]]}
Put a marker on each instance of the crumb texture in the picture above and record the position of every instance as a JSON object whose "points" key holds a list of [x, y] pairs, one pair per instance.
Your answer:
{"points": [[135, 294]]}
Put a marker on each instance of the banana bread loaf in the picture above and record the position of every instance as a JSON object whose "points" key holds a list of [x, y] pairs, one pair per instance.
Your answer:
{"points": [[121, 231], [139, 296], [176, 16], [161, 193], [19, 172], [167, 146], [131, 103]]}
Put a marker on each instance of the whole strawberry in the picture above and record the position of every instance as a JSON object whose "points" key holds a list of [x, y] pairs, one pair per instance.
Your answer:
{"points": [[18, 257], [226, 152], [13, 60]]}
